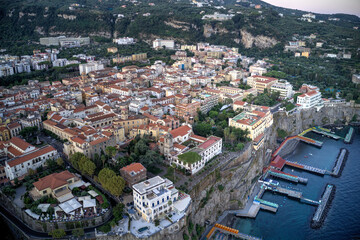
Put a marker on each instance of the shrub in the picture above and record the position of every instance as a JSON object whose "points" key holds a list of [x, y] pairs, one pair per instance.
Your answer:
{"points": [[105, 228], [57, 233], [157, 222], [105, 205]]}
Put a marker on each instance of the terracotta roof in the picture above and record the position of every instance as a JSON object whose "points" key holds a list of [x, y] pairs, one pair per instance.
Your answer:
{"points": [[179, 146], [78, 140], [211, 140], [32, 155], [13, 125], [198, 138], [99, 140], [13, 151], [180, 131], [239, 103], [134, 167], [53, 181], [18, 142]]}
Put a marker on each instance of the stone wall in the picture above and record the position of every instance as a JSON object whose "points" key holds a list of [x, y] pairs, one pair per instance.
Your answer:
{"points": [[49, 226]]}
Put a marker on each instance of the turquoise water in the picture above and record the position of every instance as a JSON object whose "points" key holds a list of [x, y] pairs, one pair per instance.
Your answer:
{"points": [[292, 221]]}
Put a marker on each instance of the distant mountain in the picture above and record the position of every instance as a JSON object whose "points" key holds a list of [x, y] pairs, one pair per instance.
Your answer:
{"points": [[25, 21]]}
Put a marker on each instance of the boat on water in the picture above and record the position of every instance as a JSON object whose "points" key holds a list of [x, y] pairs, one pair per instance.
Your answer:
{"points": [[306, 156]]}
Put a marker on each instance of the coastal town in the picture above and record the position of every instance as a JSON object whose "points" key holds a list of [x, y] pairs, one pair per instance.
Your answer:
{"points": [[178, 120], [65, 145]]}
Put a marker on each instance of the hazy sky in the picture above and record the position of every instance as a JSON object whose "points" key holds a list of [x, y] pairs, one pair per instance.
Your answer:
{"points": [[320, 6]]}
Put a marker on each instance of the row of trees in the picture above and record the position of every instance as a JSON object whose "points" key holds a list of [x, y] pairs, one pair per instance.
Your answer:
{"points": [[83, 163], [107, 177], [111, 182]]}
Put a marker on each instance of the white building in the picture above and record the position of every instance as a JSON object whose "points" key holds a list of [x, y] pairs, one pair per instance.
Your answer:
{"points": [[159, 43], [310, 99], [6, 70], [123, 41], [89, 67], [218, 16], [121, 90], [257, 70], [22, 67], [154, 197], [210, 148], [284, 87], [25, 156]]}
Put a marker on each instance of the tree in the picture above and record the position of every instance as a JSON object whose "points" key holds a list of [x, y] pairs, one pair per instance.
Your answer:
{"points": [[202, 129], [60, 162], [57, 233], [28, 131], [150, 159], [111, 182], [78, 232], [213, 114], [103, 159], [89, 167], [118, 211], [111, 151], [140, 147]]}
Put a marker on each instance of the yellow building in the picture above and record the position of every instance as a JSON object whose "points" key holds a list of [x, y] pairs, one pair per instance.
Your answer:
{"points": [[4, 134], [131, 122], [152, 130], [56, 185], [139, 57], [59, 129], [305, 54], [255, 121], [188, 47], [112, 50], [261, 82]]}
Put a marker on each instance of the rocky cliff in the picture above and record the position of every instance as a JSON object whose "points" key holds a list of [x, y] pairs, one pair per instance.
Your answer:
{"points": [[260, 41], [239, 179]]}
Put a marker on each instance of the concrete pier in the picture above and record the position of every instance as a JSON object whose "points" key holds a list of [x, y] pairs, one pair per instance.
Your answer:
{"points": [[323, 207], [349, 135], [340, 162], [307, 168]]}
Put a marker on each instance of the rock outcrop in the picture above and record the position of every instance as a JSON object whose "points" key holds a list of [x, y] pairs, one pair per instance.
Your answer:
{"points": [[260, 41]]}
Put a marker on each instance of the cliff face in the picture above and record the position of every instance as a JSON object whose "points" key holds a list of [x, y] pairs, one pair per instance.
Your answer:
{"points": [[299, 121], [209, 30], [239, 178], [260, 41]]}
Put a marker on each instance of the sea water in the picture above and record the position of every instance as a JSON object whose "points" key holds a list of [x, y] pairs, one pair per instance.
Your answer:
{"points": [[292, 220]]}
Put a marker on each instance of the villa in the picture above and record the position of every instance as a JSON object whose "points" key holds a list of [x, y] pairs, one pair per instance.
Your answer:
{"points": [[56, 185]]}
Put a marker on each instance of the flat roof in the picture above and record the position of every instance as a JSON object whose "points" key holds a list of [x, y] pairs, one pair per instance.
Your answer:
{"points": [[142, 187]]}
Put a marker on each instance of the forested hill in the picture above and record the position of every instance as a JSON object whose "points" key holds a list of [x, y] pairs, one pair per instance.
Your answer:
{"points": [[25, 21]]}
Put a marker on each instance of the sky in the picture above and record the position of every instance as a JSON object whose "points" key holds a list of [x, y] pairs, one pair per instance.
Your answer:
{"points": [[320, 6]]}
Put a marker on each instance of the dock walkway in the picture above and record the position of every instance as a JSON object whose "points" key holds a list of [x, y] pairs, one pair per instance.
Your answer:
{"points": [[307, 168]]}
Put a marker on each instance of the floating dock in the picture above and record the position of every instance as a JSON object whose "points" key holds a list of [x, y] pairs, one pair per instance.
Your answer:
{"points": [[307, 168], [326, 132], [349, 135], [287, 176], [228, 230], [340, 162], [323, 207], [273, 207], [292, 194], [310, 141]]}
